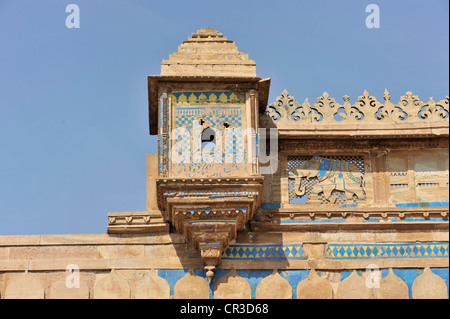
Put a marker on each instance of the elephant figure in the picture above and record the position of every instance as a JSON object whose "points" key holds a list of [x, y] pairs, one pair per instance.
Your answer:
{"points": [[331, 175]]}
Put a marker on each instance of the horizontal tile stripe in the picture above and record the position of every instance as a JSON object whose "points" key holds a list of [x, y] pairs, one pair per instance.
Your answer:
{"points": [[385, 251], [264, 252]]}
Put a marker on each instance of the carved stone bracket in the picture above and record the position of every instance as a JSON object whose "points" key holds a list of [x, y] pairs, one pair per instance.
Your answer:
{"points": [[209, 212], [211, 237]]}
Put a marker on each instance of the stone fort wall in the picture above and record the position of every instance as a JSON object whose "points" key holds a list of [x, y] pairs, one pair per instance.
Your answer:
{"points": [[357, 206], [276, 265]]}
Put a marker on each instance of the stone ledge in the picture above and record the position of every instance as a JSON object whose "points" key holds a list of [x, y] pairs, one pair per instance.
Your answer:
{"points": [[374, 130], [137, 223], [327, 264], [348, 237], [139, 229], [274, 237], [14, 265], [90, 239], [195, 263], [298, 218], [348, 226], [299, 208]]}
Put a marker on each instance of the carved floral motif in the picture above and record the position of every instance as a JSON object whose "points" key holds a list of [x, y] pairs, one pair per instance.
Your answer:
{"points": [[367, 108]]}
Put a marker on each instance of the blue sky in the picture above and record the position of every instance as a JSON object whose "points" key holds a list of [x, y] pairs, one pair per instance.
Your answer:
{"points": [[73, 102]]}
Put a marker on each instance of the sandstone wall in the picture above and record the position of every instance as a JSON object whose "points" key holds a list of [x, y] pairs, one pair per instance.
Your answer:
{"points": [[411, 264]]}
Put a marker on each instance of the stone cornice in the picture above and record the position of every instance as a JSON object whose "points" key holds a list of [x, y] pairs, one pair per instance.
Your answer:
{"points": [[365, 130], [381, 144], [356, 218]]}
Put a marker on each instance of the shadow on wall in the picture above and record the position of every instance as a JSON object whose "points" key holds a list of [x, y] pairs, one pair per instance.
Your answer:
{"points": [[305, 284], [234, 284]]}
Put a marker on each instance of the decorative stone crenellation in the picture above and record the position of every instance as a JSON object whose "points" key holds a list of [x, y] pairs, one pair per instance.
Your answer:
{"points": [[367, 108]]}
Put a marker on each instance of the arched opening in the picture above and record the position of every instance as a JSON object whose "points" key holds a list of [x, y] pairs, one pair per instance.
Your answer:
{"points": [[208, 139]]}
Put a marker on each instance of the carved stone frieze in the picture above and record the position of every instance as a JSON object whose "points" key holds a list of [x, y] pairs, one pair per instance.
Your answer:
{"points": [[136, 222], [327, 180], [294, 218], [367, 108], [385, 144]]}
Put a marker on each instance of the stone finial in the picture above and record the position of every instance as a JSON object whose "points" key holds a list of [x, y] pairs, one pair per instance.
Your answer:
{"points": [[207, 32], [208, 53]]}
